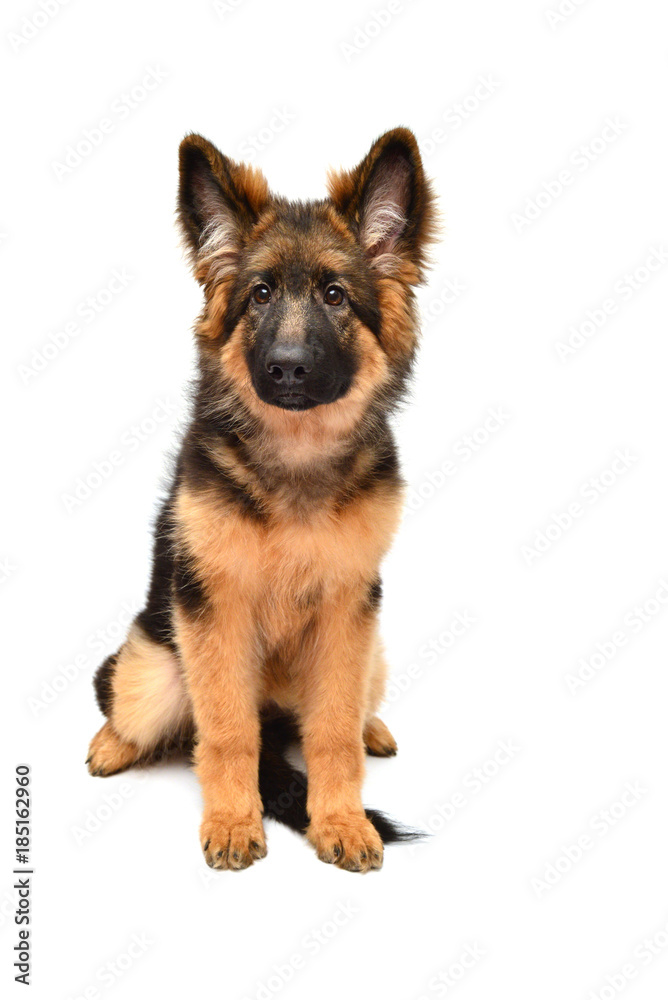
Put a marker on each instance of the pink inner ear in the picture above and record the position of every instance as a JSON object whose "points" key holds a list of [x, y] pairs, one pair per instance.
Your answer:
{"points": [[385, 210], [207, 197], [219, 238]]}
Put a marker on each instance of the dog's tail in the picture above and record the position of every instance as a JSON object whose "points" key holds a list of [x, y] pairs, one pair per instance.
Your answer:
{"points": [[283, 788]]}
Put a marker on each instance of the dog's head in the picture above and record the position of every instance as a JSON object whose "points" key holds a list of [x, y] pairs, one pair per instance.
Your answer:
{"points": [[309, 305]]}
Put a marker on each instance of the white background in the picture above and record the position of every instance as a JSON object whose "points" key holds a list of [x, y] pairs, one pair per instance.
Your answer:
{"points": [[516, 290]]}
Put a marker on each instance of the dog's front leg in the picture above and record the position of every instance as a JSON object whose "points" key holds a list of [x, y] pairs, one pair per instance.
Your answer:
{"points": [[333, 718], [221, 661]]}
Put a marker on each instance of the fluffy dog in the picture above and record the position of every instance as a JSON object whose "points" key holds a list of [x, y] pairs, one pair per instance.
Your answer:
{"points": [[261, 618]]}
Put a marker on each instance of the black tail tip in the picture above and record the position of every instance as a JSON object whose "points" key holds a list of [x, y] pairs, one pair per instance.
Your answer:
{"points": [[391, 832]]}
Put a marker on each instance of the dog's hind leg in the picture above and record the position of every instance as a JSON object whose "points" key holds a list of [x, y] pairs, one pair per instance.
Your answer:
{"points": [[378, 740], [142, 692]]}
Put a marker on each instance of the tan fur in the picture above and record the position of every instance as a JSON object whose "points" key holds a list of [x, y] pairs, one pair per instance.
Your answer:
{"points": [[150, 698], [378, 739], [286, 557], [223, 672], [109, 754], [264, 573], [151, 705]]}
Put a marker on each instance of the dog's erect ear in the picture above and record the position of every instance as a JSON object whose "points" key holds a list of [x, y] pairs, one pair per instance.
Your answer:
{"points": [[219, 202], [389, 203]]}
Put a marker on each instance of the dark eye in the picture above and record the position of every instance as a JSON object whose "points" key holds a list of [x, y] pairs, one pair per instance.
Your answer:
{"points": [[262, 294], [334, 295]]}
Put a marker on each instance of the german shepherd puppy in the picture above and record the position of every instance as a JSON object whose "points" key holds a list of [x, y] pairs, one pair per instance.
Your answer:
{"points": [[261, 616]]}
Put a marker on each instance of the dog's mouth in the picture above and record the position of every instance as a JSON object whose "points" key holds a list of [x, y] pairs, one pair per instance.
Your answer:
{"points": [[299, 394], [294, 401]]}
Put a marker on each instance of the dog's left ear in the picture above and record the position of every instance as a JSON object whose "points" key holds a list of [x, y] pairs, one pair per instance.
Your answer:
{"points": [[389, 204]]}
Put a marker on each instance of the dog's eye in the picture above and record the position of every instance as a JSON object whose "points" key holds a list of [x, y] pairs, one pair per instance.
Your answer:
{"points": [[262, 294], [334, 295]]}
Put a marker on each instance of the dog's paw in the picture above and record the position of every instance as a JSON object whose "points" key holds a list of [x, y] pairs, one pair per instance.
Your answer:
{"points": [[232, 842], [109, 754], [378, 739], [349, 841]]}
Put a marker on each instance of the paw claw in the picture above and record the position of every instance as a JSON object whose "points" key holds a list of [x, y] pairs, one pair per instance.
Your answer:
{"points": [[109, 754], [232, 844], [378, 739], [349, 841]]}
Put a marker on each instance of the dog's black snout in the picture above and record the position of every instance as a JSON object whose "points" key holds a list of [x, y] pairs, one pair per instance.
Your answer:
{"points": [[289, 364]]}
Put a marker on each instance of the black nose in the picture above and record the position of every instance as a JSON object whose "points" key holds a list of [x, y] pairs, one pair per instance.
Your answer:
{"points": [[289, 364]]}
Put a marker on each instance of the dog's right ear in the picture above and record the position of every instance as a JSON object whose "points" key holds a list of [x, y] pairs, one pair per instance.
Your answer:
{"points": [[219, 202]]}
